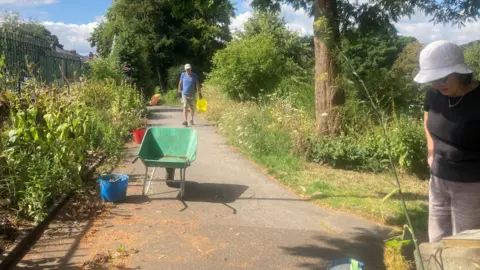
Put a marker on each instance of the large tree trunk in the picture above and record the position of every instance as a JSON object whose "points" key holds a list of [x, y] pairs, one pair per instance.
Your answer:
{"points": [[326, 36]]}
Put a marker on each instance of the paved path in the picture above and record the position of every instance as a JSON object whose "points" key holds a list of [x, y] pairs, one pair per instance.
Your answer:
{"points": [[233, 217]]}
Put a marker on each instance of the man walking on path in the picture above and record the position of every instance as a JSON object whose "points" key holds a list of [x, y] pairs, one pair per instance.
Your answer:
{"points": [[189, 86]]}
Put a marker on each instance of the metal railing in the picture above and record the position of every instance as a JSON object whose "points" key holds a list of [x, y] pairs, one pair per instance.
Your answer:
{"points": [[27, 57]]}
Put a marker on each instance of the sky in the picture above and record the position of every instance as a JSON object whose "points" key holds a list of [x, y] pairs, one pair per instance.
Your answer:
{"points": [[73, 21]]}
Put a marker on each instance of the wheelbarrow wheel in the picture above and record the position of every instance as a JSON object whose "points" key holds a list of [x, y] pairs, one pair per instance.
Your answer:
{"points": [[170, 176]]}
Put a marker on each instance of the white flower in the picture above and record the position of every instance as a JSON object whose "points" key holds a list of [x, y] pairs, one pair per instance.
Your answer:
{"points": [[287, 108]]}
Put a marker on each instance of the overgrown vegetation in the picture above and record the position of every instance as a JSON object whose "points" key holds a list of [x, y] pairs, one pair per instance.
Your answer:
{"points": [[171, 98], [49, 138], [100, 69], [256, 77], [276, 125], [364, 21]]}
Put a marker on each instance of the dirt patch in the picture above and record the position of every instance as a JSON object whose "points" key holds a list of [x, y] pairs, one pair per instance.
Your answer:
{"points": [[84, 205], [117, 259], [11, 227]]}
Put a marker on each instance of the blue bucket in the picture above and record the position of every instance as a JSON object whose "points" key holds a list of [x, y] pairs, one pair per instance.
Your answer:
{"points": [[113, 187]]}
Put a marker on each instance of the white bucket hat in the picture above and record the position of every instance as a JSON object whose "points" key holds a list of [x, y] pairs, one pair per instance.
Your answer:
{"points": [[440, 59], [187, 66]]}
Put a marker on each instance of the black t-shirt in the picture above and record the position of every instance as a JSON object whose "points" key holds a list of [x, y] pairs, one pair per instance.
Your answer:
{"points": [[456, 135]]}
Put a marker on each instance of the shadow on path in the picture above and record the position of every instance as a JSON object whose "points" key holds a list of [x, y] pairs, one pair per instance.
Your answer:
{"points": [[165, 109], [198, 192], [365, 246]]}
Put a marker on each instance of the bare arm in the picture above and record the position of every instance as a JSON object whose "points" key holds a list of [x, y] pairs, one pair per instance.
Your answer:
{"points": [[429, 139], [180, 86]]}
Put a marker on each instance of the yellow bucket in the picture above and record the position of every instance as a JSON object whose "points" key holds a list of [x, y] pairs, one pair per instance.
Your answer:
{"points": [[201, 105]]}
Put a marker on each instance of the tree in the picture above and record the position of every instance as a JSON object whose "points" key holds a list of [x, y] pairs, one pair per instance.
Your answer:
{"points": [[374, 59], [374, 53], [472, 57], [404, 70], [102, 39], [154, 35], [265, 58], [14, 23], [334, 16], [249, 67], [290, 44]]}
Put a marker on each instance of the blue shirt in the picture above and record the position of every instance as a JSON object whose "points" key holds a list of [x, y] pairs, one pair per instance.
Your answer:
{"points": [[189, 84]]}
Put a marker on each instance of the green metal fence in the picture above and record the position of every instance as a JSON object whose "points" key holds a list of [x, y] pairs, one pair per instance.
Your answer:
{"points": [[26, 56]]}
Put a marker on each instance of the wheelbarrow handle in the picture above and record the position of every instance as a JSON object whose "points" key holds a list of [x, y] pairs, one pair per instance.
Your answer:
{"points": [[135, 159]]}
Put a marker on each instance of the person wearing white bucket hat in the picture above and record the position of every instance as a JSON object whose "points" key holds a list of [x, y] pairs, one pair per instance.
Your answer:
{"points": [[452, 129]]}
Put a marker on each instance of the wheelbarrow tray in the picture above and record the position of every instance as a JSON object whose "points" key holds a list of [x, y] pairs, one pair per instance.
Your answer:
{"points": [[167, 162], [170, 148]]}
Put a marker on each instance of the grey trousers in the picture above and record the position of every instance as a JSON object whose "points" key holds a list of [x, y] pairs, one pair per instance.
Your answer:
{"points": [[453, 208]]}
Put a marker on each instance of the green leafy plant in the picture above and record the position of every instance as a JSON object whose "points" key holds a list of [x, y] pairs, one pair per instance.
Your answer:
{"points": [[105, 68], [396, 182], [248, 68], [472, 57], [47, 140], [171, 98]]}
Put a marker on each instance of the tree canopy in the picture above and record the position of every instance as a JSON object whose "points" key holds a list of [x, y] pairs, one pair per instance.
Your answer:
{"points": [[441, 11], [291, 44], [154, 35], [265, 58]]}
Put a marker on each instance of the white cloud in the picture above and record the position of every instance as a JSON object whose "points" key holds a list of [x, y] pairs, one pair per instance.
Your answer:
{"points": [[100, 19], [418, 26], [73, 36], [27, 3], [236, 23], [297, 20]]}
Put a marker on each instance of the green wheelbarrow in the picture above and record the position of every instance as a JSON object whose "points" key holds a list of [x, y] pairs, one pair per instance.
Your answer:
{"points": [[169, 148]]}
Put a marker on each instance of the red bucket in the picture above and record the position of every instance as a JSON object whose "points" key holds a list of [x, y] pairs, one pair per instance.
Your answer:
{"points": [[138, 135]]}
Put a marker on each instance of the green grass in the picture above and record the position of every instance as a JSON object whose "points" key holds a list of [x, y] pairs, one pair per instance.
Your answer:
{"points": [[362, 194], [352, 192]]}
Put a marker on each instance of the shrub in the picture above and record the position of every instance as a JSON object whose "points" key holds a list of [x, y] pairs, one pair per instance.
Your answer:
{"points": [[345, 152], [248, 68], [291, 44], [105, 68], [472, 57], [48, 142], [368, 151], [171, 97], [409, 146]]}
